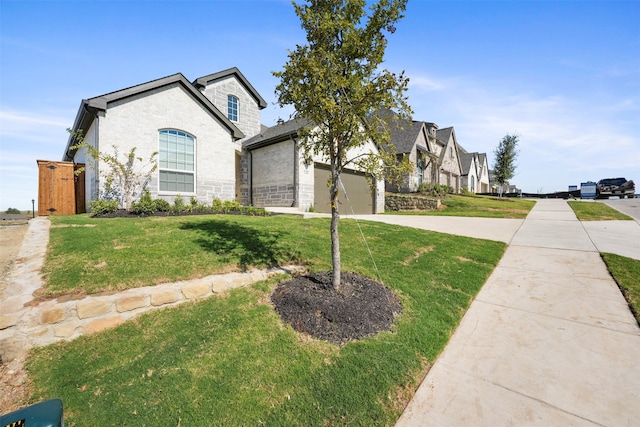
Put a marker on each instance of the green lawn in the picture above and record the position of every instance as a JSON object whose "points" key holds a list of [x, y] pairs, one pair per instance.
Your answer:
{"points": [[594, 211], [479, 206], [229, 360], [626, 272]]}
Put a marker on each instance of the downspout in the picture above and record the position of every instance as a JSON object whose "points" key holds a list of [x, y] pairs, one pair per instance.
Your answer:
{"points": [[296, 173], [96, 177], [250, 177]]}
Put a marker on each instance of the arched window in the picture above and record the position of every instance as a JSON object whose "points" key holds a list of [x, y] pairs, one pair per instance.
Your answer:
{"points": [[177, 161], [232, 108]]}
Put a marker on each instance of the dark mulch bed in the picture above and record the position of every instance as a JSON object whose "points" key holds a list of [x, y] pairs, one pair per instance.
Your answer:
{"points": [[311, 305], [122, 213]]}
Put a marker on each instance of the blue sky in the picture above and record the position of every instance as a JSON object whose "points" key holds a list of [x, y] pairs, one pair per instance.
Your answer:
{"points": [[564, 75]]}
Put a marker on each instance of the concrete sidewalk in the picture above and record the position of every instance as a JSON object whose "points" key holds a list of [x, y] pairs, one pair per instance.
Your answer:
{"points": [[548, 341]]}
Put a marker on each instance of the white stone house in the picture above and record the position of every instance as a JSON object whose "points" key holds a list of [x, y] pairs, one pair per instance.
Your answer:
{"points": [[210, 144], [278, 175], [415, 141], [475, 171], [195, 127], [446, 149]]}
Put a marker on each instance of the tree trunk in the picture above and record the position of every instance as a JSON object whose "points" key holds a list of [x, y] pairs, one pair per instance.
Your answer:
{"points": [[335, 240]]}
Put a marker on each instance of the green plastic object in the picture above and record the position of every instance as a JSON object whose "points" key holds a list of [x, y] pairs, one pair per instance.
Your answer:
{"points": [[43, 414]]}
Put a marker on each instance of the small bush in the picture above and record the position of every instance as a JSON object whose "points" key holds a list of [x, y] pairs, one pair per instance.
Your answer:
{"points": [[102, 206], [162, 205], [145, 206], [216, 205], [230, 205], [178, 204], [12, 211], [434, 190]]}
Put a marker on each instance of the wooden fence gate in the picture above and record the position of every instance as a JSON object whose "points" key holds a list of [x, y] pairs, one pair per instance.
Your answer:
{"points": [[60, 190]]}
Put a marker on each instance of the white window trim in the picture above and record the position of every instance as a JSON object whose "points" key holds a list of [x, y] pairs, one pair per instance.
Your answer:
{"points": [[195, 167], [237, 119]]}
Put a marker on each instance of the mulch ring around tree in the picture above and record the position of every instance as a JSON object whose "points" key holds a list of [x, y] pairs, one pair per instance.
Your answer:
{"points": [[311, 305]]}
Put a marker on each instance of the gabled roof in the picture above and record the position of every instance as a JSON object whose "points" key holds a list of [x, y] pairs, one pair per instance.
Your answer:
{"points": [[278, 133], [482, 158], [443, 135], [404, 138], [89, 107], [205, 80], [466, 160]]}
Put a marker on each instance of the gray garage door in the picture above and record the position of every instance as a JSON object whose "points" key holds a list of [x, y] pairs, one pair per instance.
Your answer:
{"points": [[361, 198]]}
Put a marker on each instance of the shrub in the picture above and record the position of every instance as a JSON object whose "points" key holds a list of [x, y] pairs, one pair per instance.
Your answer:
{"points": [[11, 211], [434, 190], [162, 205], [178, 204], [145, 206], [230, 205], [216, 205], [102, 206]]}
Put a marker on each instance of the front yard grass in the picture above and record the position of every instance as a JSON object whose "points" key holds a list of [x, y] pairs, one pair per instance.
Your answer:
{"points": [[229, 360], [478, 206], [626, 272], [593, 211]]}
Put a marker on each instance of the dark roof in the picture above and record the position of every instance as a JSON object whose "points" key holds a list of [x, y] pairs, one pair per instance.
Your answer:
{"points": [[89, 107], [466, 159], [203, 81], [278, 133], [443, 135], [404, 138]]}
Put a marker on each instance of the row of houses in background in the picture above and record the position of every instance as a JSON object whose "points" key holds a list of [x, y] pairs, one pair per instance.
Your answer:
{"points": [[211, 144]]}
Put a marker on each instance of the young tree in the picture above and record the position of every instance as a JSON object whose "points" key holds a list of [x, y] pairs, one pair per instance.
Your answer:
{"points": [[504, 165], [123, 179], [336, 84]]}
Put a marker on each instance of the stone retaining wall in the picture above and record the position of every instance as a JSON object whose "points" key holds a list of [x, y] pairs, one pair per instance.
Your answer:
{"points": [[401, 202], [27, 323], [54, 320]]}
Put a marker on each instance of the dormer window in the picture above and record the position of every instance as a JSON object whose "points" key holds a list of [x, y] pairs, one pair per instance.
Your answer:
{"points": [[232, 108]]}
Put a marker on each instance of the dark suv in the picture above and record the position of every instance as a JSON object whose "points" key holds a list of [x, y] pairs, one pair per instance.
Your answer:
{"points": [[615, 187]]}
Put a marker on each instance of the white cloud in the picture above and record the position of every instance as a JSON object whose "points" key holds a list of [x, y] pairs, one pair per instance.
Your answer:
{"points": [[425, 84], [40, 128], [564, 139]]}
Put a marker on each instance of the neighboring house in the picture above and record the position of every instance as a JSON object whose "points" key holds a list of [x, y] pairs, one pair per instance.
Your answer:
{"points": [[495, 187], [475, 172], [196, 129], [278, 175], [469, 177], [483, 173], [415, 141], [433, 152], [446, 149]]}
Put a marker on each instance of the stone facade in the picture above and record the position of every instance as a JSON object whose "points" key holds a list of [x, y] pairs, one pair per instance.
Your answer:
{"points": [[272, 171], [279, 176], [402, 202], [248, 112], [136, 121], [133, 117]]}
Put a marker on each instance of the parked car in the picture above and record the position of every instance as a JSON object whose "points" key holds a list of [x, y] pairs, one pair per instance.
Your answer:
{"points": [[615, 187], [44, 414]]}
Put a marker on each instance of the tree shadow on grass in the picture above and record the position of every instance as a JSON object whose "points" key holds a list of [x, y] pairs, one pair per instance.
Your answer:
{"points": [[251, 247]]}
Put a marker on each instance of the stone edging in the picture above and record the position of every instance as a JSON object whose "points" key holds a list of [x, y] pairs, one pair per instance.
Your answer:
{"points": [[24, 325]]}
